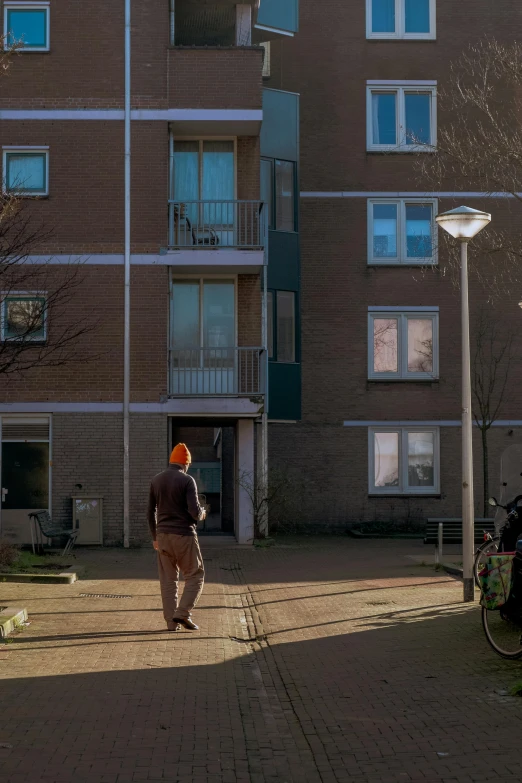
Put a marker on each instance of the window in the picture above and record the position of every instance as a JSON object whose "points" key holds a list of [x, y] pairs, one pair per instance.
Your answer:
{"points": [[403, 460], [27, 24], [400, 19], [266, 59], [401, 119], [281, 326], [402, 231], [203, 314], [24, 317], [403, 345], [278, 188], [26, 171]]}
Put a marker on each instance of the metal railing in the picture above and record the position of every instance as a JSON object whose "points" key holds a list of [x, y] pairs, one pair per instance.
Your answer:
{"points": [[198, 372], [216, 224]]}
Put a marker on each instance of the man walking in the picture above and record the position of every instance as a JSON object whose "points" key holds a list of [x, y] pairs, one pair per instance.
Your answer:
{"points": [[173, 513]]}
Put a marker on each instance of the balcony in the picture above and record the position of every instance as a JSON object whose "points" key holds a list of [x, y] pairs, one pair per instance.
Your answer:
{"points": [[227, 23], [230, 235], [217, 372]]}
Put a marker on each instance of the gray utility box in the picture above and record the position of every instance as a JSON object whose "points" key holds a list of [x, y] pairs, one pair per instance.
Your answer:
{"points": [[88, 518]]}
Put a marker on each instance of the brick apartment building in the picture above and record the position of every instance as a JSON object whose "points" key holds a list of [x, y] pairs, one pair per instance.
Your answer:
{"points": [[168, 172], [232, 338], [379, 436]]}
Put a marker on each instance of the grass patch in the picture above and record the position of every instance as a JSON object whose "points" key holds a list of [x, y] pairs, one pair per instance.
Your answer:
{"points": [[516, 689], [27, 563]]}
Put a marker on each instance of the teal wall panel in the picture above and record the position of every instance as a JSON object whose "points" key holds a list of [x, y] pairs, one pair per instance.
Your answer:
{"points": [[281, 14], [284, 400]]}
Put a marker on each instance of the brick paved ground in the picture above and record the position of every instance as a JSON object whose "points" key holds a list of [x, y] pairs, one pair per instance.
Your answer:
{"points": [[364, 666]]}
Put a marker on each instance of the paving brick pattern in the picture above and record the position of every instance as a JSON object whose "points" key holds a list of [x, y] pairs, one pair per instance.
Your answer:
{"points": [[319, 660]]}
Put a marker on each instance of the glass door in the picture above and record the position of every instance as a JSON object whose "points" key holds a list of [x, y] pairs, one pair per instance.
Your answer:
{"points": [[203, 329], [204, 171]]}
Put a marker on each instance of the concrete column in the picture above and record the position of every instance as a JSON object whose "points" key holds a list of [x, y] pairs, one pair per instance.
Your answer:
{"points": [[243, 24], [244, 469]]}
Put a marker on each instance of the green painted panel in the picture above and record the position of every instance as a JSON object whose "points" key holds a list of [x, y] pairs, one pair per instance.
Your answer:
{"points": [[284, 397], [281, 14], [280, 127], [283, 261]]}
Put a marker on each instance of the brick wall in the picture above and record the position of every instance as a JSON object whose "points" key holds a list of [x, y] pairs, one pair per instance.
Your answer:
{"points": [[215, 78], [85, 206], [332, 463], [249, 310], [87, 450], [337, 284], [148, 456]]}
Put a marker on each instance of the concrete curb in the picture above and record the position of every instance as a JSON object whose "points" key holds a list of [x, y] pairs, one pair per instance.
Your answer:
{"points": [[453, 570], [67, 578], [10, 619]]}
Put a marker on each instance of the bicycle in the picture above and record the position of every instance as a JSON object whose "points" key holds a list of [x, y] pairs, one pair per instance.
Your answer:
{"points": [[488, 547], [503, 626]]}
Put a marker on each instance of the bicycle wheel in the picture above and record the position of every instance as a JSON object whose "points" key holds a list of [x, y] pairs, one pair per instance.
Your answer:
{"points": [[489, 547], [503, 634]]}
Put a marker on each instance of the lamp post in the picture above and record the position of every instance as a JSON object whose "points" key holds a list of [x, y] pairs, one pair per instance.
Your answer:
{"points": [[463, 224]]}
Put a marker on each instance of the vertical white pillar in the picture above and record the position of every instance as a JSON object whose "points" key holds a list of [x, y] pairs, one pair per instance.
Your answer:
{"points": [[244, 469], [243, 24]]}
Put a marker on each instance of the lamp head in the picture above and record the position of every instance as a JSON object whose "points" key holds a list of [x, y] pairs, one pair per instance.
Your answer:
{"points": [[463, 222]]}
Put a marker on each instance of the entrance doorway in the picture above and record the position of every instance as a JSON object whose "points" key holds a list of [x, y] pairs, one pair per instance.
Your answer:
{"points": [[25, 475], [212, 448]]}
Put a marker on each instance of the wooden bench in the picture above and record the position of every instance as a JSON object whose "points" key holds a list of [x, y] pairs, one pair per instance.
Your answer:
{"points": [[452, 529]]}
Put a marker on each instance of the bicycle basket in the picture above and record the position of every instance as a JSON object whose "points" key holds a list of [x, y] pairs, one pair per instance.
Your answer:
{"points": [[496, 579]]}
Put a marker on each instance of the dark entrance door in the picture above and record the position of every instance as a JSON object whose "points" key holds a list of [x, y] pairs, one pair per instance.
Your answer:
{"points": [[25, 487], [211, 444]]}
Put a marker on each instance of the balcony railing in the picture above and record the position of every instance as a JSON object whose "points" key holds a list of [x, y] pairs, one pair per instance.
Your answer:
{"points": [[198, 372], [217, 224]]}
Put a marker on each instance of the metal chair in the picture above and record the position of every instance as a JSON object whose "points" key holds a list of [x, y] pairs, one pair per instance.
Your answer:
{"points": [[44, 528]]}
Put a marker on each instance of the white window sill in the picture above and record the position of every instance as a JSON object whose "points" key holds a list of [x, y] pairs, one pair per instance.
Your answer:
{"points": [[412, 379], [409, 262]]}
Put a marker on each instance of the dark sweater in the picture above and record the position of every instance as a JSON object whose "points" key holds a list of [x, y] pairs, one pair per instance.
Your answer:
{"points": [[173, 503]]}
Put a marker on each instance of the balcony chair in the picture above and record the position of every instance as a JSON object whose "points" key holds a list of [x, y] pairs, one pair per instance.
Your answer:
{"points": [[205, 236], [44, 528]]}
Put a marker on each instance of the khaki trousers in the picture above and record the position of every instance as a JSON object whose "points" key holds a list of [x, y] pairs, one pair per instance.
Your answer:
{"points": [[179, 553]]}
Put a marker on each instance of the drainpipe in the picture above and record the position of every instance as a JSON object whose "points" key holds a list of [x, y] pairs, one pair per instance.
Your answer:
{"points": [[127, 281], [264, 416], [172, 22], [171, 186]]}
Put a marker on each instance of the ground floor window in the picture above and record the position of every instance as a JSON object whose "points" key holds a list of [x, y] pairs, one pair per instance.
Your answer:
{"points": [[404, 460]]}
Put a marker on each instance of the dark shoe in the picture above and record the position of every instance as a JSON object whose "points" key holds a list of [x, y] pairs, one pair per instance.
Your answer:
{"points": [[173, 626], [186, 623]]}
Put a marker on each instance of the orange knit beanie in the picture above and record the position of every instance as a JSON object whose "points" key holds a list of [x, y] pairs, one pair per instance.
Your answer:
{"points": [[180, 455]]}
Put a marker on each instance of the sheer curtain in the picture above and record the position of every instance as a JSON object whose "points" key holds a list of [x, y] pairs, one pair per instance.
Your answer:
{"points": [[384, 122], [383, 16], [218, 186]]}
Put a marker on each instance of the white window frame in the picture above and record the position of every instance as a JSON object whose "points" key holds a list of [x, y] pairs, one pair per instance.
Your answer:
{"points": [[28, 150], [402, 256], [400, 24], [403, 488], [403, 314], [400, 89], [5, 297], [28, 6]]}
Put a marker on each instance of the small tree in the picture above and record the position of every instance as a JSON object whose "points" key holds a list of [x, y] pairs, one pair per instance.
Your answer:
{"points": [[29, 338], [492, 357], [479, 143], [278, 503]]}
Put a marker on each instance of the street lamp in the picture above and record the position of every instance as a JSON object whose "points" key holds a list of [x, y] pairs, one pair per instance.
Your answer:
{"points": [[463, 224]]}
